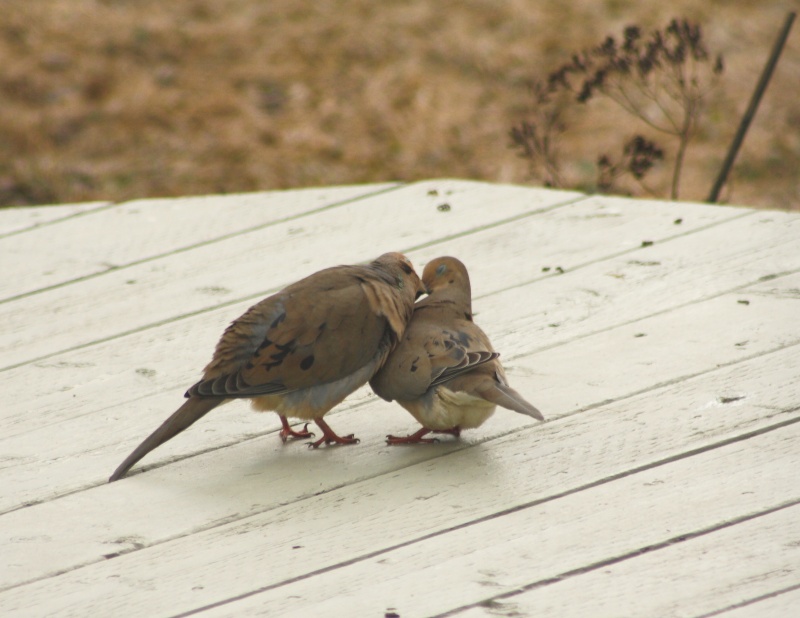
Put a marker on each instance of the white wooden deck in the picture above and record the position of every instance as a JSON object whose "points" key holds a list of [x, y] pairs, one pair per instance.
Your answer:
{"points": [[666, 481]]}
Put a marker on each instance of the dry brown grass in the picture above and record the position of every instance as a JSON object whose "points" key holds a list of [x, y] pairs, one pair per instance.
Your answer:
{"points": [[119, 99]]}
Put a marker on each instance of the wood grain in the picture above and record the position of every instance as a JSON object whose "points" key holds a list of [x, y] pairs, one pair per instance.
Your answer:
{"points": [[662, 353]]}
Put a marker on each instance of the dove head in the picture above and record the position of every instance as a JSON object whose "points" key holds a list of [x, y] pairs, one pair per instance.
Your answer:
{"points": [[447, 277], [402, 269]]}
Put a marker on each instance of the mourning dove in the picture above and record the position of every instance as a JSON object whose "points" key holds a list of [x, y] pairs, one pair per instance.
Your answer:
{"points": [[301, 351], [445, 371]]}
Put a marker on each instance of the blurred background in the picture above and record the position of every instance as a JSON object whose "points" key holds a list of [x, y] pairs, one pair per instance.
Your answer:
{"points": [[121, 99]]}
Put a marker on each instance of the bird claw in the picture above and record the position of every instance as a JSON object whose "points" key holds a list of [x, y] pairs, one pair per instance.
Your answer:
{"points": [[414, 438], [287, 432], [329, 436], [334, 439]]}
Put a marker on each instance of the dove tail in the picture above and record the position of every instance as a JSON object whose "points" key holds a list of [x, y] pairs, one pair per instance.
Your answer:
{"points": [[194, 409], [510, 399]]}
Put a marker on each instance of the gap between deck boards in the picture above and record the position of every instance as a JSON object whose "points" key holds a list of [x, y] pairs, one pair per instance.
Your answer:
{"points": [[179, 250], [554, 496], [680, 538], [263, 293]]}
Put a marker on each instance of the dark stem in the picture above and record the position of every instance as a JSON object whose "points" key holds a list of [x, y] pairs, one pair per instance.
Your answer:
{"points": [[751, 108], [676, 173]]}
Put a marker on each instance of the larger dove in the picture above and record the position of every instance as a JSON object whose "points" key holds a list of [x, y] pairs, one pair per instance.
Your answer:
{"points": [[445, 371], [301, 351]]}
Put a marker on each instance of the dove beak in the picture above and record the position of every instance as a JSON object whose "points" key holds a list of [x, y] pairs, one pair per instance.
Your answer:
{"points": [[422, 289]]}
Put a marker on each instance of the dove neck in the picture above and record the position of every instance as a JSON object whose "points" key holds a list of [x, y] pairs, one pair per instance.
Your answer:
{"points": [[453, 299]]}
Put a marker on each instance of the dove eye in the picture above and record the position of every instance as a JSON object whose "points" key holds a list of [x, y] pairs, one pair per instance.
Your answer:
{"points": [[440, 270], [405, 268]]}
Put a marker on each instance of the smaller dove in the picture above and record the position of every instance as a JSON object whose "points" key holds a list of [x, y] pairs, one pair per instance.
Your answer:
{"points": [[445, 371], [301, 351]]}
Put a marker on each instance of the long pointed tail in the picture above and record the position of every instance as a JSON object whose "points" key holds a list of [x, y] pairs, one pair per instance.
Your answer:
{"points": [[507, 397], [194, 409]]}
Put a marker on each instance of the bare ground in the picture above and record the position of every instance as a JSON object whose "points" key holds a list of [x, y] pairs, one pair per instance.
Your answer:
{"points": [[121, 99]]}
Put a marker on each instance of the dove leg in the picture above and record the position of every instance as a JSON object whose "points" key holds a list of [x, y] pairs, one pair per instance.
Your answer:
{"points": [[414, 438], [455, 431], [419, 436], [287, 432], [329, 437]]}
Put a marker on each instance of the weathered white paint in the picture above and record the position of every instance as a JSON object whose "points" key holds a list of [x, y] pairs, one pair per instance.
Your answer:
{"points": [[250, 264], [95, 423], [501, 555], [687, 414], [779, 604], [223, 516], [693, 578], [110, 238], [19, 219]]}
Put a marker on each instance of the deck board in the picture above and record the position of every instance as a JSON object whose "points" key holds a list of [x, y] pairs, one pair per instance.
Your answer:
{"points": [[708, 342], [666, 370], [774, 604], [25, 218], [695, 577], [107, 239], [499, 557], [246, 266], [528, 465]]}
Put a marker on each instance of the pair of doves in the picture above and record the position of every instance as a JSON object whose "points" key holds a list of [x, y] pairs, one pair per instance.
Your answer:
{"points": [[301, 351]]}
